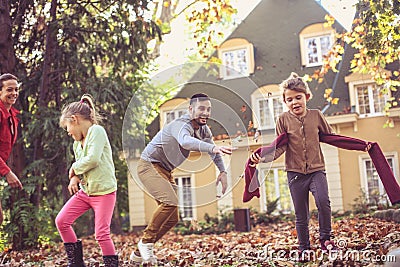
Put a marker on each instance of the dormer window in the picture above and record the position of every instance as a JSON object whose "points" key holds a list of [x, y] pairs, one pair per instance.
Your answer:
{"points": [[369, 99], [237, 58], [315, 42], [365, 96]]}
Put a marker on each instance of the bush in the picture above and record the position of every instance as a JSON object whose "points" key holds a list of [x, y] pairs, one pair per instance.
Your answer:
{"points": [[265, 218], [225, 223], [211, 225]]}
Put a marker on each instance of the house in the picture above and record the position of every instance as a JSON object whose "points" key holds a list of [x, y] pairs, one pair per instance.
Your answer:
{"points": [[277, 38]]}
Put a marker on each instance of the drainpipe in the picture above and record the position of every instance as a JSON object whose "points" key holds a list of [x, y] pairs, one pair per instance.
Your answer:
{"points": [[335, 80]]}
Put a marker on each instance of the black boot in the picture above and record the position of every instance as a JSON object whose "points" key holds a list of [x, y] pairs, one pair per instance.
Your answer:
{"points": [[110, 261], [70, 248], [79, 254], [74, 254]]}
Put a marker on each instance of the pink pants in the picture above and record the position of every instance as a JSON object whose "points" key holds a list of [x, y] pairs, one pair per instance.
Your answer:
{"points": [[103, 207]]}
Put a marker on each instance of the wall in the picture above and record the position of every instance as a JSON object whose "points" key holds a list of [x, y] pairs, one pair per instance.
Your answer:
{"points": [[370, 129]]}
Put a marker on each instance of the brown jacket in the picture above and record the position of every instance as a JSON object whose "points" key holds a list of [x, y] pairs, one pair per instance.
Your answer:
{"points": [[303, 152]]}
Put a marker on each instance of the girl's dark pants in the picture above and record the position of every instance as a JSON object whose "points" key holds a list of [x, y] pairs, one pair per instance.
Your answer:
{"points": [[300, 185]]}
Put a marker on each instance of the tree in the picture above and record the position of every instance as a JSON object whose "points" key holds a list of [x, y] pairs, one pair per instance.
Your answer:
{"points": [[65, 49], [62, 49], [7, 56], [376, 38], [206, 18]]}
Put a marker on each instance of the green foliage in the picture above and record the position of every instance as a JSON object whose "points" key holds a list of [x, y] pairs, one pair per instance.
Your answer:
{"points": [[362, 205], [265, 218], [65, 49], [208, 19], [375, 37], [211, 225], [340, 215], [224, 222], [272, 206], [26, 225]]}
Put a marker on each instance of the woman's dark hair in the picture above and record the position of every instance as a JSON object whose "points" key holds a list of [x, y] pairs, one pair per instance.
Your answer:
{"points": [[5, 77]]}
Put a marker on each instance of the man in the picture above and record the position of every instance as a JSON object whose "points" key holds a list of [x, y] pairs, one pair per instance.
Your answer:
{"points": [[169, 149], [8, 128]]}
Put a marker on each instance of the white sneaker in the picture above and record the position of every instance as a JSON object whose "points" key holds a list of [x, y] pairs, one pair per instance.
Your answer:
{"points": [[146, 251], [135, 259]]}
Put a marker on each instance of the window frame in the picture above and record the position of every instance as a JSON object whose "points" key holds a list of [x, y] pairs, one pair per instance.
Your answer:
{"points": [[371, 101], [176, 114], [271, 109], [354, 102], [262, 170], [364, 177], [232, 46], [266, 93], [181, 204], [317, 30], [175, 104]]}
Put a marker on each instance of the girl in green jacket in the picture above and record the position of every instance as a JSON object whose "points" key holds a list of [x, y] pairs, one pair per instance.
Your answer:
{"points": [[92, 181]]}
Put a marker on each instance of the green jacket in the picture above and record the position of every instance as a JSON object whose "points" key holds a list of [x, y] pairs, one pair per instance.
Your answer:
{"points": [[94, 163]]}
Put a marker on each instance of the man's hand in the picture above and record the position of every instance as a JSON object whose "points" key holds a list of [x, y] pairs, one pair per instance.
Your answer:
{"points": [[255, 158], [223, 150], [13, 180], [223, 179], [73, 186]]}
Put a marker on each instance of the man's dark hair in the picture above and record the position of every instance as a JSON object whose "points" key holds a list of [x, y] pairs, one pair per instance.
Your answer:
{"points": [[6, 77], [198, 97]]}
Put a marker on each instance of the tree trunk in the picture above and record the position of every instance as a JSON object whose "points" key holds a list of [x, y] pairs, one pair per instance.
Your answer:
{"points": [[7, 54], [44, 94]]}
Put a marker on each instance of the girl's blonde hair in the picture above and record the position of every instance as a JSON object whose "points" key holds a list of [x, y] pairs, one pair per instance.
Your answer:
{"points": [[84, 108], [296, 83]]}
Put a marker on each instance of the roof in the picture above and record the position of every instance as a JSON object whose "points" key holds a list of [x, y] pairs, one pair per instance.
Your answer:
{"points": [[273, 28]]}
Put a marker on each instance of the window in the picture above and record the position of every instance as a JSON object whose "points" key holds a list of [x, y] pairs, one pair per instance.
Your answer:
{"points": [[369, 99], [269, 109], [235, 63], [172, 109], [172, 115], [275, 186], [267, 105], [315, 41], [316, 48], [184, 188], [366, 97], [373, 186], [237, 58]]}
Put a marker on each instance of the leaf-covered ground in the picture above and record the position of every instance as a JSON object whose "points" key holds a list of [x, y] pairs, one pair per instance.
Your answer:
{"points": [[363, 241]]}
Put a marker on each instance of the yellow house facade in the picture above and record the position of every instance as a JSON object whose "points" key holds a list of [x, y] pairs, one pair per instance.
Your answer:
{"points": [[350, 174], [257, 56]]}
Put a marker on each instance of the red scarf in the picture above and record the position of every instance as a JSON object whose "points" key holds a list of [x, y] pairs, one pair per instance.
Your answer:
{"points": [[382, 166]]}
